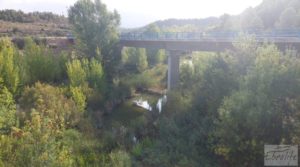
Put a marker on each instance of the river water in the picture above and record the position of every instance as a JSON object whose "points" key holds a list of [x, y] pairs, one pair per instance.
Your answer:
{"points": [[146, 105]]}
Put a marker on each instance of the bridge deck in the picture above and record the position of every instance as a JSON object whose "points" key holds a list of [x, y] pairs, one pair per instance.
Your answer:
{"points": [[213, 41]]}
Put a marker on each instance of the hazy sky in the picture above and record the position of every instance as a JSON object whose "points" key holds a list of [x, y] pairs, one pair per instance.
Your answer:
{"points": [[136, 13]]}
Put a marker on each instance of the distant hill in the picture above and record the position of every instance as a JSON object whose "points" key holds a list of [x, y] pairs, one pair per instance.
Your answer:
{"points": [[185, 24], [17, 23], [270, 14], [178, 25]]}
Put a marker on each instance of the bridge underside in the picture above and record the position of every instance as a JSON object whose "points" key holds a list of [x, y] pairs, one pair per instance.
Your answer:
{"points": [[176, 48]]}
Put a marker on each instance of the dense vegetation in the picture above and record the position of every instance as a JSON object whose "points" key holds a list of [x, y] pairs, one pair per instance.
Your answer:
{"points": [[74, 108]]}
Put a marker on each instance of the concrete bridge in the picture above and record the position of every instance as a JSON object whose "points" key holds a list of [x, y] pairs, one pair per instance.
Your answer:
{"points": [[176, 44]]}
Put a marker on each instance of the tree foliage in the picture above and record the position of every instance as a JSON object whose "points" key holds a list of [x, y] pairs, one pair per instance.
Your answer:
{"points": [[85, 76], [50, 102], [9, 69], [76, 73], [96, 31], [42, 64], [7, 109], [288, 18], [135, 59]]}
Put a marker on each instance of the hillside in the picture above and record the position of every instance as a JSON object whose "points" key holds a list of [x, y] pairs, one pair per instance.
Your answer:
{"points": [[17, 23], [270, 14]]}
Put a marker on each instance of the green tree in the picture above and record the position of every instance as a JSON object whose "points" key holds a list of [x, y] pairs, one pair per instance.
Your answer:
{"points": [[250, 19], [87, 83], [160, 56], [41, 64], [76, 73], [288, 18], [94, 25], [78, 97], [152, 28], [36, 144], [95, 75], [49, 102], [7, 109], [129, 58], [135, 59], [96, 29], [142, 63], [119, 159], [262, 111], [84, 71], [153, 55], [225, 22], [269, 11], [9, 70]]}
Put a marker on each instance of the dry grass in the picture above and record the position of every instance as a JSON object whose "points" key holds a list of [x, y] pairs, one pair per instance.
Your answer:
{"points": [[13, 29]]}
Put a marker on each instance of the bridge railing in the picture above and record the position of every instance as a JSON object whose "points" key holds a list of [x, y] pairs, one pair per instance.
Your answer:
{"points": [[213, 35]]}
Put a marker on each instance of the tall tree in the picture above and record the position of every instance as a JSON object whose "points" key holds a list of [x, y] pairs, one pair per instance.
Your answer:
{"points": [[269, 11], [7, 109], [9, 70], [250, 19], [152, 31], [96, 30], [142, 60]]}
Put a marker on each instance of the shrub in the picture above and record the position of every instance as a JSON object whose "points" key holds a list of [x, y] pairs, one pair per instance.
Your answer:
{"points": [[42, 64], [76, 73], [120, 159], [78, 97], [50, 102], [7, 109], [9, 69]]}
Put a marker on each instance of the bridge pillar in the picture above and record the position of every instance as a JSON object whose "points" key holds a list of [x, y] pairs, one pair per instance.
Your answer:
{"points": [[173, 68]]}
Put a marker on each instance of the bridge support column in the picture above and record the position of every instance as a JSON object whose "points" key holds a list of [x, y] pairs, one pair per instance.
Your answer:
{"points": [[173, 68]]}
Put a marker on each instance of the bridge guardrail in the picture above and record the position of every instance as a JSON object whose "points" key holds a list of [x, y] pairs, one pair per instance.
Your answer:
{"points": [[213, 35]]}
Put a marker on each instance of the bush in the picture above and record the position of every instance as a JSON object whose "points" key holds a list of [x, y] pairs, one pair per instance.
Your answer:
{"points": [[120, 159], [9, 69], [85, 76], [76, 73], [50, 102], [79, 98], [42, 64], [7, 110]]}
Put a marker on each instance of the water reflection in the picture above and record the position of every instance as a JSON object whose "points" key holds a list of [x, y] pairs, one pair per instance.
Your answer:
{"points": [[160, 103], [145, 104]]}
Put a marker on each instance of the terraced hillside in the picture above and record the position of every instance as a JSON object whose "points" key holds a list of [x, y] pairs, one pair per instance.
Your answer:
{"points": [[18, 24]]}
